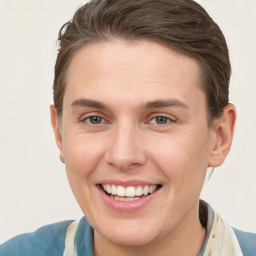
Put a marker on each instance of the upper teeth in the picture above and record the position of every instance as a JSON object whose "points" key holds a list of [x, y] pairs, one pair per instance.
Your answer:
{"points": [[129, 191]]}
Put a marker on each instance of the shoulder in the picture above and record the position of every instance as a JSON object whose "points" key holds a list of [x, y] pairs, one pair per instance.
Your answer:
{"points": [[247, 242], [47, 240]]}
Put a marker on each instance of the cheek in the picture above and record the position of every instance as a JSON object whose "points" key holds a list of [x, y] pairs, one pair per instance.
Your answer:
{"points": [[183, 160], [82, 154], [82, 157]]}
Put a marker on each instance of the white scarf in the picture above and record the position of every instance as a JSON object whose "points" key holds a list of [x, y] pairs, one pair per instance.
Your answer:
{"points": [[222, 240]]}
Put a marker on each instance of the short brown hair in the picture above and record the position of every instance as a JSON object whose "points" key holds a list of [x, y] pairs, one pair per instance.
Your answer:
{"points": [[182, 25]]}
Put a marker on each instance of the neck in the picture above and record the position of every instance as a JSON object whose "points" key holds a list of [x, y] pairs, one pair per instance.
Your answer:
{"points": [[186, 240]]}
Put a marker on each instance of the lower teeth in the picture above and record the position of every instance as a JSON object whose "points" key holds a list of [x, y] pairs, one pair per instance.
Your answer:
{"points": [[124, 198]]}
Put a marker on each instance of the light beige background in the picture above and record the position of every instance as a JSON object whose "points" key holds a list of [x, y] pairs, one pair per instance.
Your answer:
{"points": [[34, 190]]}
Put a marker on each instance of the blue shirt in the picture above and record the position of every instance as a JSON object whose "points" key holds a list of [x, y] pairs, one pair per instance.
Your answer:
{"points": [[50, 240]]}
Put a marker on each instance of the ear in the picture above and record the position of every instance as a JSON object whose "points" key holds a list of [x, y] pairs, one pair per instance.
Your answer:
{"points": [[223, 131], [57, 132]]}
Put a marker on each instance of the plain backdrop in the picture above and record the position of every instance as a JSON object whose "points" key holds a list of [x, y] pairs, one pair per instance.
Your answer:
{"points": [[34, 190]]}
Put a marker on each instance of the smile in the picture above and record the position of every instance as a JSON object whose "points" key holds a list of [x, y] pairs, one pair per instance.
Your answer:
{"points": [[129, 193]]}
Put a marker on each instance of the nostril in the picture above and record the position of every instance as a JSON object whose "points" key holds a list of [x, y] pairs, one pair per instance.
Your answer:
{"points": [[126, 150], [125, 161]]}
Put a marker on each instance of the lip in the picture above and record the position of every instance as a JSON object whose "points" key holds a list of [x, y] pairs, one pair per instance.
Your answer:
{"points": [[126, 183], [126, 206]]}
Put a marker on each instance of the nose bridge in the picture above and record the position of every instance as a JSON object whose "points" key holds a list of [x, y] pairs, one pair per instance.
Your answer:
{"points": [[126, 149]]}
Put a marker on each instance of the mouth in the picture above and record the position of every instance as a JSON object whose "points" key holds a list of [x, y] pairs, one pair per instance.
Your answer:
{"points": [[129, 193]]}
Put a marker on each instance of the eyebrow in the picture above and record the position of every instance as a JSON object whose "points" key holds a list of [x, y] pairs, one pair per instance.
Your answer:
{"points": [[165, 103], [148, 105], [88, 103]]}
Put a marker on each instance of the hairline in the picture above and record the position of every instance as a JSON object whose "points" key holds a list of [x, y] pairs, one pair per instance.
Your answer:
{"points": [[81, 44]]}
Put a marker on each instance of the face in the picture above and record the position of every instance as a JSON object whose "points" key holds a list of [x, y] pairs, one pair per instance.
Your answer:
{"points": [[135, 139]]}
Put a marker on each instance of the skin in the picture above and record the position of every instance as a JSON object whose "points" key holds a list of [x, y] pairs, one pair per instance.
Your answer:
{"points": [[129, 143]]}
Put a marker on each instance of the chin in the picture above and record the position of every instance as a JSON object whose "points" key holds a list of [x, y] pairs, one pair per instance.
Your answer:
{"points": [[130, 234], [130, 239]]}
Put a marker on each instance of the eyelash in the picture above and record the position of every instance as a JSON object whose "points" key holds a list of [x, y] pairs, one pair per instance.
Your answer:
{"points": [[90, 118], [167, 120]]}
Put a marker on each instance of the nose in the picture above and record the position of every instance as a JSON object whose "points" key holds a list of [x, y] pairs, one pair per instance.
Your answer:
{"points": [[126, 149]]}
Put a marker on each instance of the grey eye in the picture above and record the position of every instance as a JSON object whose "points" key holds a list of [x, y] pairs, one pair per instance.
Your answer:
{"points": [[95, 119], [161, 120]]}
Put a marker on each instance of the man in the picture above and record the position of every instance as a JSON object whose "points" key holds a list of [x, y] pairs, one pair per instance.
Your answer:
{"points": [[140, 112]]}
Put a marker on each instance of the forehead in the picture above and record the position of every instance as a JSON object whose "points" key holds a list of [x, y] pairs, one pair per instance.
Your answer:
{"points": [[131, 69]]}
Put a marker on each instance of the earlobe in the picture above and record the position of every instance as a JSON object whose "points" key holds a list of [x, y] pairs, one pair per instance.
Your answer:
{"points": [[224, 131], [57, 133]]}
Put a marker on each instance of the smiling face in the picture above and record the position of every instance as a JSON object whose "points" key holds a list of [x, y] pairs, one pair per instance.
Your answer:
{"points": [[135, 140]]}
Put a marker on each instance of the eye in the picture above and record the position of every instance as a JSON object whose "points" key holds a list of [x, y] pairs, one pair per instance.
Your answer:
{"points": [[94, 120], [160, 120]]}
